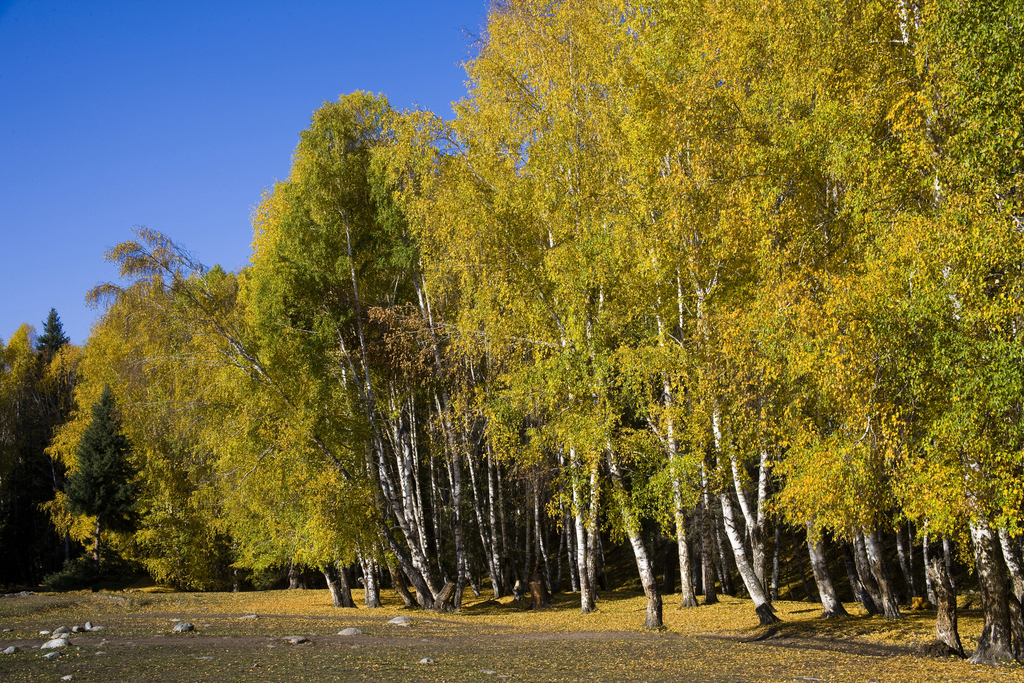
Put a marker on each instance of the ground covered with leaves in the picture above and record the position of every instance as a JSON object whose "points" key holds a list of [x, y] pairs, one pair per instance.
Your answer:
{"points": [[241, 637]]}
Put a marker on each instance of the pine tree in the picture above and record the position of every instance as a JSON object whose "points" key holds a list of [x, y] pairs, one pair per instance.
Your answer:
{"points": [[52, 338], [104, 484]]}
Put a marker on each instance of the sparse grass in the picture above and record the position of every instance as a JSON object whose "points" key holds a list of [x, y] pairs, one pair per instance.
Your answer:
{"points": [[701, 644]]}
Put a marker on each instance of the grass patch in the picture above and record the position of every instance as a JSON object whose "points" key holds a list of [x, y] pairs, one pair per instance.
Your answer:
{"points": [[720, 642]]}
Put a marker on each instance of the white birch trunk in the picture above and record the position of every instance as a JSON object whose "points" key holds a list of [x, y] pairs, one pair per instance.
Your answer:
{"points": [[762, 606], [643, 563], [831, 607], [995, 644]]}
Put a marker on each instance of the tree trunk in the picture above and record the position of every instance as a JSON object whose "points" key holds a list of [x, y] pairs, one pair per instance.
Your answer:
{"points": [[294, 580], [602, 572], [643, 563], [929, 592], [687, 596], [688, 599], [571, 554], [668, 568], [496, 520], [371, 584], [905, 555], [1016, 626], [445, 598], [873, 545], [96, 546], [527, 547], [1013, 563], [496, 471], [754, 518], [995, 644], [860, 592], [775, 563], [947, 555], [707, 549], [593, 533], [435, 518], [539, 596], [800, 566], [542, 546], [424, 596], [831, 607], [762, 606], [584, 554], [486, 528], [945, 621], [724, 570], [867, 579], [558, 561], [461, 558], [398, 581], [341, 593]]}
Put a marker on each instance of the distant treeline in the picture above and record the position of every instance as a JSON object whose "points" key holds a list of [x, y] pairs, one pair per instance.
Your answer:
{"points": [[683, 274]]}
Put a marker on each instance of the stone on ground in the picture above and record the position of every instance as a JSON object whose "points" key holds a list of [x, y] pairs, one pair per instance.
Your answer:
{"points": [[55, 643], [51, 655], [350, 632], [248, 617], [295, 640], [183, 627], [60, 629], [11, 650], [88, 626], [401, 621], [426, 660]]}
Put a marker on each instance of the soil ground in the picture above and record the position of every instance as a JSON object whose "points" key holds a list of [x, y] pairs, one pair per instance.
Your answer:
{"points": [[488, 640]]}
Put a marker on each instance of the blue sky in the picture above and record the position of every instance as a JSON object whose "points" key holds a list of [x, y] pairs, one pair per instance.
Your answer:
{"points": [[177, 115]]}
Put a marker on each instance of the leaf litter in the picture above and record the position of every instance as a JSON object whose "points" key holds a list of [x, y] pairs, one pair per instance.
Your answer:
{"points": [[487, 638]]}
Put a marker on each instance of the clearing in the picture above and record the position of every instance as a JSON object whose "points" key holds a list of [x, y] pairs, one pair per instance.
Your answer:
{"points": [[488, 640]]}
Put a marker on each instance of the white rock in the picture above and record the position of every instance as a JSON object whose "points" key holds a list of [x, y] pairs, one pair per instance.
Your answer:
{"points": [[350, 632], [55, 643], [489, 672], [97, 628], [295, 640], [175, 620], [183, 627], [76, 629], [60, 629], [11, 650], [426, 660], [51, 655], [88, 626], [66, 678], [100, 652], [44, 633], [248, 617], [401, 621], [7, 630]]}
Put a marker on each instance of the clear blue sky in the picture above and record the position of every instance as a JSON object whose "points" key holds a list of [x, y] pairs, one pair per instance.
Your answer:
{"points": [[177, 115]]}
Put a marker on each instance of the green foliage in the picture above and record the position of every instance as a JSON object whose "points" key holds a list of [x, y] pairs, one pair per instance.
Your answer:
{"points": [[104, 483], [81, 574], [52, 338]]}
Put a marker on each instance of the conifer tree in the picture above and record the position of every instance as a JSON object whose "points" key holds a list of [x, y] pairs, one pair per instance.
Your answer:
{"points": [[52, 338], [104, 484]]}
